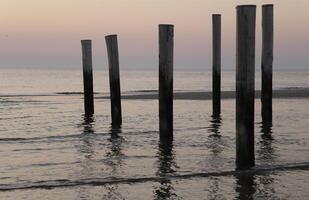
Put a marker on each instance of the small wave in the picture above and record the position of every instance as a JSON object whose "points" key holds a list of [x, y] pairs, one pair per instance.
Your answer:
{"points": [[26, 95], [61, 137], [70, 93], [45, 94], [32, 139], [39, 165], [294, 88], [8, 101], [145, 91], [73, 93], [50, 184], [14, 118]]}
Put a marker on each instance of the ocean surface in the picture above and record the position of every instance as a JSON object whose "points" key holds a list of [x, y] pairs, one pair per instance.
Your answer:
{"points": [[35, 81], [48, 150]]}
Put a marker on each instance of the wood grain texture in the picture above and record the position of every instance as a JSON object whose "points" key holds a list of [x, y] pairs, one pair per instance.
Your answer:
{"points": [[245, 67], [87, 77], [166, 56], [114, 79], [216, 64], [267, 62]]}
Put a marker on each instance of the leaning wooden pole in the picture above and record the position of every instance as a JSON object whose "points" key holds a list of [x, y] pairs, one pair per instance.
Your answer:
{"points": [[245, 58], [267, 62], [114, 80], [87, 76], [216, 64], [166, 52]]}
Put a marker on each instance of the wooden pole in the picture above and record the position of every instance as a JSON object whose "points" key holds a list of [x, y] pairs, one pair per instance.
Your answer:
{"points": [[267, 62], [216, 64], [245, 58], [87, 76], [114, 80], [166, 48]]}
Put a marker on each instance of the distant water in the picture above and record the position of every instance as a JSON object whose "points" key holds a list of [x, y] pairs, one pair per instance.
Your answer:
{"points": [[32, 81], [48, 150]]}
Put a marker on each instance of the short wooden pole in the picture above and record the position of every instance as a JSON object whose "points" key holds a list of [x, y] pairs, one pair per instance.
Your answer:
{"points": [[114, 80], [245, 58], [87, 76], [166, 49], [267, 62], [216, 64]]}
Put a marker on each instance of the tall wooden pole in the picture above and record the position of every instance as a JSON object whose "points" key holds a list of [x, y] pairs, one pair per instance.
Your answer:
{"points": [[245, 58], [166, 52], [267, 62], [216, 64], [114, 80], [87, 76]]}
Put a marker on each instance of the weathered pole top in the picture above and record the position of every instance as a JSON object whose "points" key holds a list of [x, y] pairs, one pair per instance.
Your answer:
{"points": [[171, 25], [111, 35], [243, 6], [268, 5]]}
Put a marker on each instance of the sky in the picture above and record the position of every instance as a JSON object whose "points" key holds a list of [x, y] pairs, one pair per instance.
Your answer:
{"points": [[47, 33]]}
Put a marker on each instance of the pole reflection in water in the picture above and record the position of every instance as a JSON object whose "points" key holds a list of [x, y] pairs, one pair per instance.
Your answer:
{"points": [[267, 155], [247, 182], [88, 122], [253, 185], [215, 145], [87, 151], [266, 150], [245, 185], [115, 154], [115, 162], [166, 164]]}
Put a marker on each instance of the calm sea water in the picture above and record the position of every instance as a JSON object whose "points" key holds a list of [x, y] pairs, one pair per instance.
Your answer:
{"points": [[49, 151], [33, 81]]}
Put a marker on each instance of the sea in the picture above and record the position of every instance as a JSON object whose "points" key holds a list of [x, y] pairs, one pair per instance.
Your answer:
{"points": [[49, 150]]}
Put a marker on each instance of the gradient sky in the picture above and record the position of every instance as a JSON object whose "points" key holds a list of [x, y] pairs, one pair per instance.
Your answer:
{"points": [[47, 33]]}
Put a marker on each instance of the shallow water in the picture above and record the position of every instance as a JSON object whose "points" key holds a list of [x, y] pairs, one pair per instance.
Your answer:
{"points": [[49, 151]]}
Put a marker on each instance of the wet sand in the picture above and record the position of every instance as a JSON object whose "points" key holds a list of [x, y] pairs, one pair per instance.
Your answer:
{"points": [[200, 95]]}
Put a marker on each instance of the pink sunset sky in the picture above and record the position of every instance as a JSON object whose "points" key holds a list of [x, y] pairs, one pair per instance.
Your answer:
{"points": [[47, 33]]}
